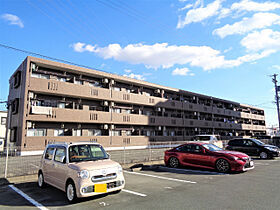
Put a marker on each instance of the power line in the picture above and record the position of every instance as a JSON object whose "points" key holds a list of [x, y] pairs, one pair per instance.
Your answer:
{"points": [[50, 58]]}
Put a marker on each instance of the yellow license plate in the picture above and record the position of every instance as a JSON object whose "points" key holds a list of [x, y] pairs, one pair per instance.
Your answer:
{"points": [[100, 188]]}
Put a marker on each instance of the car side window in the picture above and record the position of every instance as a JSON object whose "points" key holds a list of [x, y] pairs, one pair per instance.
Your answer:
{"points": [[185, 148], [49, 153], [196, 148], [60, 154], [236, 143], [249, 143]]}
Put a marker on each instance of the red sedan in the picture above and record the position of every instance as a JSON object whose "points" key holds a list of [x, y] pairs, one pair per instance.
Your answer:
{"points": [[207, 156]]}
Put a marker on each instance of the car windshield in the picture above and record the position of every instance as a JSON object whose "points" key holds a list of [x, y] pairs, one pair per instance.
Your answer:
{"points": [[202, 138], [212, 147], [258, 142], [86, 152]]}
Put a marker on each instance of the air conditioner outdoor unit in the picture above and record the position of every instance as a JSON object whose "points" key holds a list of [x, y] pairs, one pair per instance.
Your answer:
{"points": [[31, 95], [157, 91], [158, 109], [33, 67], [105, 80], [29, 124], [105, 126], [112, 82], [104, 103]]}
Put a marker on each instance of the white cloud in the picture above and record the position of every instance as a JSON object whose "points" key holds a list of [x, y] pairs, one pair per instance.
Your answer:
{"points": [[135, 76], [257, 21], [266, 39], [13, 20], [186, 7], [182, 72], [162, 55], [200, 14], [127, 71], [276, 67], [159, 55], [248, 5]]}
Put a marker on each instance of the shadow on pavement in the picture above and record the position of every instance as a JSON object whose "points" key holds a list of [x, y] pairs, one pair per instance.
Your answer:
{"points": [[48, 196], [182, 170]]}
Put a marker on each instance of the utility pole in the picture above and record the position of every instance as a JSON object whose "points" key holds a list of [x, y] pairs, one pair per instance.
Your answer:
{"points": [[277, 89]]}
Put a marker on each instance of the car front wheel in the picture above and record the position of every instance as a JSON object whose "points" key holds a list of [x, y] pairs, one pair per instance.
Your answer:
{"points": [[71, 192], [222, 166], [173, 162], [263, 155]]}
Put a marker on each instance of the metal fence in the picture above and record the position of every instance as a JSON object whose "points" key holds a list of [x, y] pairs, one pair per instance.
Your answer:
{"points": [[14, 164]]}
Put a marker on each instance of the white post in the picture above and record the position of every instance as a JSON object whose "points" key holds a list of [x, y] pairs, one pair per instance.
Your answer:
{"points": [[7, 137]]}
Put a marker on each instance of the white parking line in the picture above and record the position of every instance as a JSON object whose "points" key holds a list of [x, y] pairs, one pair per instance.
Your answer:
{"points": [[35, 203], [190, 170], [161, 177], [135, 193]]}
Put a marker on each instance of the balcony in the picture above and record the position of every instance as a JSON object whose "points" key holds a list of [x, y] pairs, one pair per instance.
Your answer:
{"points": [[55, 87], [67, 115]]}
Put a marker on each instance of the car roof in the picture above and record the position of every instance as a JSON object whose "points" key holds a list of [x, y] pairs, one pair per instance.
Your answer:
{"points": [[196, 142], [67, 144]]}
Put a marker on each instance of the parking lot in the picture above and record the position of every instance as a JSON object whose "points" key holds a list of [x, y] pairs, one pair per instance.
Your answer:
{"points": [[158, 187]]}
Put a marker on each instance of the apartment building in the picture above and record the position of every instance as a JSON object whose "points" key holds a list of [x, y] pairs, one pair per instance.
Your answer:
{"points": [[53, 101]]}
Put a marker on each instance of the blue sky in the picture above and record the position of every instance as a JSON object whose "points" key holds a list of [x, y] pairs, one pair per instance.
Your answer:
{"points": [[221, 48]]}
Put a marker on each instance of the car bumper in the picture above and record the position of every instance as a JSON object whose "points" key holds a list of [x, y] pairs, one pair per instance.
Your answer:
{"points": [[274, 154], [88, 188], [243, 166]]}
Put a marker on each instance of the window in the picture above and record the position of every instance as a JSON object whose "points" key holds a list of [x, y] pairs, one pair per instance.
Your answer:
{"points": [[248, 143], [77, 132], [94, 132], [60, 154], [185, 148], [36, 132], [58, 132], [3, 120], [49, 154], [61, 79], [61, 105], [43, 76], [17, 78], [115, 133], [79, 82], [15, 104]]}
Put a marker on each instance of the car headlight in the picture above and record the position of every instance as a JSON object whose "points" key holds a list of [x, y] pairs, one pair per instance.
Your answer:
{"points": [[120, 169], [271, 148], [84, 174], [237, 158]]}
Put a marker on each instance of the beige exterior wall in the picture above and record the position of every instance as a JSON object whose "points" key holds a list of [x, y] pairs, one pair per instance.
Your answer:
{"points": [[53, 97]]}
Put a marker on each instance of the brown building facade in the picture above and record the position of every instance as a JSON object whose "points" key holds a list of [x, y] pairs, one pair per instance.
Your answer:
{"points": [[51, 101]]}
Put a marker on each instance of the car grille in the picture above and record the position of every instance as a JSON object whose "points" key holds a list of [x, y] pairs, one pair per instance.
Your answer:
{"points": [[101, 178]]}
